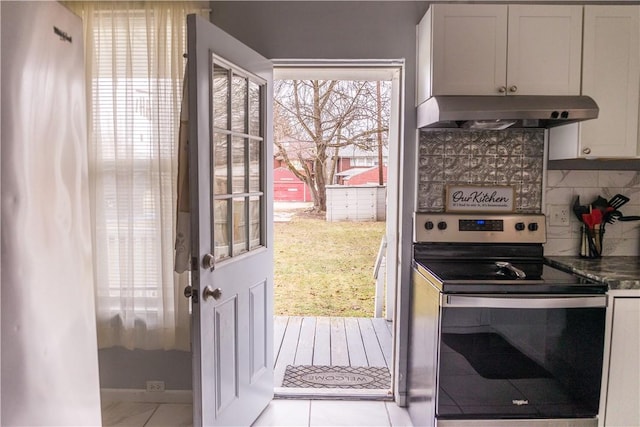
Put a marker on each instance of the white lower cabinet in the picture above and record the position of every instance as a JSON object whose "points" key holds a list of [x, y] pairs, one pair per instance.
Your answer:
{"points": [[621, 385]]}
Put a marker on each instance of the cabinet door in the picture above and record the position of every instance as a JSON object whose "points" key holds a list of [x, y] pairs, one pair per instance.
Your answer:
{"points": [[469, 49], [544, 51], [623, 388], [424, 73], [611, 66]]}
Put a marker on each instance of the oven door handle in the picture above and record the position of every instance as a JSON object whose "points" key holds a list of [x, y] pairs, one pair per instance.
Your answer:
{"points": [[526, 302]]}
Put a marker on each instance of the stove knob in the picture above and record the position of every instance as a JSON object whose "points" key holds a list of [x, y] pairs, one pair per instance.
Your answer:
{"points": [[533, 226], [428, 225], [442, 225], [519, 226]]}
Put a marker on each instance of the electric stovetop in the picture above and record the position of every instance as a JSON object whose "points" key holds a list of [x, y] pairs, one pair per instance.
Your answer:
{"points": [[459, 276]]}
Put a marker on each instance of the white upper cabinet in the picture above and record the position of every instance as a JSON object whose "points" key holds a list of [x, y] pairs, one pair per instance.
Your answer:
{"points": [[544, 50], [469, 49], [611, 76], [483, 49]]}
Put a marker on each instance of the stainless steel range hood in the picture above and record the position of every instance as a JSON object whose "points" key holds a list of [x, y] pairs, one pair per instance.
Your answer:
{"points": [[500, 112]]}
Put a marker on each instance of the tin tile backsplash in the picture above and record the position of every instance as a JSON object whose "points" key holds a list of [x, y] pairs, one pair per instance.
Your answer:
{"points": [[461, 157]]}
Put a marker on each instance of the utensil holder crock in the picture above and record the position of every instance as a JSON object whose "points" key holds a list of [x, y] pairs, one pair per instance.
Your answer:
{"points": [[591, 242]]}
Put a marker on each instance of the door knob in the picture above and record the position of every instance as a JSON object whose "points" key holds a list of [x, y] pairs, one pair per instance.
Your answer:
{"points": [[188, 291], [208, 292], [513, 89], [208, 261], [587, 151], [502, 89]]}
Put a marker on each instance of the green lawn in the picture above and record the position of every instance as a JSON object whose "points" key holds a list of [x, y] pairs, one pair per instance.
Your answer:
{"points": [[325, 268]]}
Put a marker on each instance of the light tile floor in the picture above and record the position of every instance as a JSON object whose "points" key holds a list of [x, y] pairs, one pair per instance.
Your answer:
{"points": [[310, 413], [138, 414]]}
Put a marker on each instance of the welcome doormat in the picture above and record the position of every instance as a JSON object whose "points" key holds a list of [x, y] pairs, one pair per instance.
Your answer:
{"points": [[350, 377]]}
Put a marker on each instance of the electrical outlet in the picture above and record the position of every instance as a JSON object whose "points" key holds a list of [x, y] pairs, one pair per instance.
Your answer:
{"points": [[155, 386], [558, 215]]}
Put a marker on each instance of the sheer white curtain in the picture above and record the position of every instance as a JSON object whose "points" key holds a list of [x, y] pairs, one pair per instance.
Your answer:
{"points": [[135, 66]]}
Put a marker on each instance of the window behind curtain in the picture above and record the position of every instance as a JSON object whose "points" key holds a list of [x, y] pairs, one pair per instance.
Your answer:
{"points": [[136, 66]]}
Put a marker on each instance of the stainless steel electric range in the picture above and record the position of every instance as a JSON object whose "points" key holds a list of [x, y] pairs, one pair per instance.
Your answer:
{"points": [[497, 336]]}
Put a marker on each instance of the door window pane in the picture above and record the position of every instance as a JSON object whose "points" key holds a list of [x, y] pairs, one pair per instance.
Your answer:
{"points": [[254, 109], [238, 104], [220, 95], [238, 164], [221, 229], [254, 165], [255, 217], [239, 226], [220, 167]]}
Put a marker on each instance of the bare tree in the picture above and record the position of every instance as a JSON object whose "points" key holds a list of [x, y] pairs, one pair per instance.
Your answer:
{"points": [[314, 119]]}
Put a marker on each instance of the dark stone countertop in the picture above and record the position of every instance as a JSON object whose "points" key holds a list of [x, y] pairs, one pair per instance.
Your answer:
{"points": [[618, 272]]}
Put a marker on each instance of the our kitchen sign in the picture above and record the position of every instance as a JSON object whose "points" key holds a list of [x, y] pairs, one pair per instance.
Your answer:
{"points": [[474, 198]]}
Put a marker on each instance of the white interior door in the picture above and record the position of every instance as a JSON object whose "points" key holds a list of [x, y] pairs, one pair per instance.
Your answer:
{"points": [[230, 156]]}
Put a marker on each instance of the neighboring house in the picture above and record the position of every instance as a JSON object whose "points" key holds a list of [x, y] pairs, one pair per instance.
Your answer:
{"points": [[355, 166], [361, 176], [355, 157], [289, 188]]}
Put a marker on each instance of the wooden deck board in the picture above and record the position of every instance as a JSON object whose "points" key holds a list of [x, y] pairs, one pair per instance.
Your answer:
{"points": [[384, 338], [279, 326], [371, 343], [339, 350], [304, 352], [357, 355], [322, 344], [288, 348]]}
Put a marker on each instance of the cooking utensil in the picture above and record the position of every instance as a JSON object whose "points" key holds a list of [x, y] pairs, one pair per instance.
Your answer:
{"points": [[600, 203], [613, 216], [578, 209], [629, 218], [618, 200], [598, 229]]}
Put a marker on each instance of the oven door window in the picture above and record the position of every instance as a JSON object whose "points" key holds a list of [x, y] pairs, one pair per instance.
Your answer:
{"points": [[520, 363]]}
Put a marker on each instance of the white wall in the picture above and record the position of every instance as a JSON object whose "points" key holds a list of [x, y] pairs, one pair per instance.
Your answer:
{"points": [[325, 29]]}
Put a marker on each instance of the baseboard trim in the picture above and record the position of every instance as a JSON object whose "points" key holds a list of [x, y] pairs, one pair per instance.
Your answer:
{"points": [[141, 395]]}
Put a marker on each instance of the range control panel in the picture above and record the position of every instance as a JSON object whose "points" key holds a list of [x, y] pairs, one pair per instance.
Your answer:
{"points": [[479, 228]]}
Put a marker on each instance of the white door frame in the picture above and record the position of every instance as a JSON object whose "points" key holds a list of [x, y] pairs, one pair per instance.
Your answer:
{"points": [[393, 70]]}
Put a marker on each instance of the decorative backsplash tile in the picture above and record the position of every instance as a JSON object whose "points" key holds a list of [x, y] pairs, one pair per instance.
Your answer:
{"points": [[480, 157], [621, 238]]}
